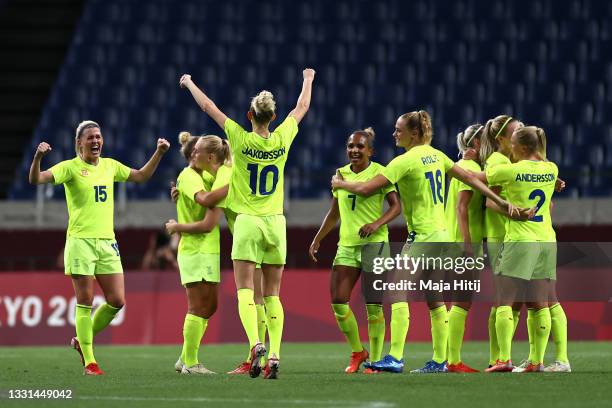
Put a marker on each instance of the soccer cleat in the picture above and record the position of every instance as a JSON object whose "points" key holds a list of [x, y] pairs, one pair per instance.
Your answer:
{"points": [[74, 343], [371, 371], [243, 368], [461, 368], [431, 367], [558, 367], [271, 369], [521, 367], [356, 360], [388, 363], [92, 369], [257, 352], [178, 366], [196, 369], [500, 367], [534, 368]]}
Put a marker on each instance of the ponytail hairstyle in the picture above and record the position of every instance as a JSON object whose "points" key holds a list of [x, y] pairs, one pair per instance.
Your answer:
{"points": [[369, 134], [218, 147], [419, 121], [86, 124], [533, 138], [493, 130], [263, 107], [465, 138], [187, 143]]}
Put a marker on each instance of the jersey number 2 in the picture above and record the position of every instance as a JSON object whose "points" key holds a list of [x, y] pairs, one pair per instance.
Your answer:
{"points": [[263, 176], [100, 193], [539, 194], [436, 186]]}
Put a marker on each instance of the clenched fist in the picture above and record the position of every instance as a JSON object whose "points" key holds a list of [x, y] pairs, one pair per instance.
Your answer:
{"points": [[42, 149], [162, 145]]}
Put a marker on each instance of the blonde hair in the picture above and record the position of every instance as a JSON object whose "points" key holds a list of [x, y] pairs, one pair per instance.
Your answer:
{"points": [[421, 122], [187, 142], [84, 125], [263, 107], [368, 133], [464, 139], [533, 138], [218, 147], [492, 131]]}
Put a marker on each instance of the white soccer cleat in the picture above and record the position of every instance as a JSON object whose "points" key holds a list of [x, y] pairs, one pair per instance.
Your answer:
{"points": [[196, 369], [521, 367], [178, 366], [558, 367]]}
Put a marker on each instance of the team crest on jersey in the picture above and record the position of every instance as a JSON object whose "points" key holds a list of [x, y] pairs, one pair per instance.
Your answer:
{"points": [[84, 172]]}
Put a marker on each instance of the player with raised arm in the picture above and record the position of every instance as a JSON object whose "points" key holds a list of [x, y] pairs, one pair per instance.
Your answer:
{"points": [[528, 257], [91, 252], [199, 247], [464, 220], [256, 195], [419, 175], [363, 221]]}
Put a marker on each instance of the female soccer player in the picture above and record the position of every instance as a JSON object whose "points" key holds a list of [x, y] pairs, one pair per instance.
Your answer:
{"points": [[528, 255], [464, 220], [362, 222], [198, 251], [419, 176], [495, 150], [256, 195], [216, 197], [91, 252]]}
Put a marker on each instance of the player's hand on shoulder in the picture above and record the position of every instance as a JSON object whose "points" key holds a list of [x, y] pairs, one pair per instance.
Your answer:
{"points": [[43, 148], [171, 226], [185, 81], [312, 251], [162, 145], [309, 73]]}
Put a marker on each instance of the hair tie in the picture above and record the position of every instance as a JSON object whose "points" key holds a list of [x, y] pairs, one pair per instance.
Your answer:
{"points": [[503, 126], [473, 136]]}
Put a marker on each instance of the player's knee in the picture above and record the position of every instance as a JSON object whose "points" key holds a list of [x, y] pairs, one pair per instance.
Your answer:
{"points": [[116, 301]]}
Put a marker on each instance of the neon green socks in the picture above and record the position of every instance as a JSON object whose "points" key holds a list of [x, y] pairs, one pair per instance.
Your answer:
{"points": [[193, 331], [559, 332], [103, 316], [276, 320], [400, 321], [542, 332], [493, 346], [348, 325], [248, 315], [456, 329], [516, 315], [261, 322], [531, 333], [376, 330], [504, 327], [439, 333], [84, 332]]}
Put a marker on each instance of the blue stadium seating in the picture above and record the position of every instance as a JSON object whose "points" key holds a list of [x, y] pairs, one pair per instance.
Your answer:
{"points": [[547, 62]]}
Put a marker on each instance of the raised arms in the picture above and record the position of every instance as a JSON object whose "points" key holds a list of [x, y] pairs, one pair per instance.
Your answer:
{"points": [[36, 176], [303, 102], [145, 172], [203, 101]]}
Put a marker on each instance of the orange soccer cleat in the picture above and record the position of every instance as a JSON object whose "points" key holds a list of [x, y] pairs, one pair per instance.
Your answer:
{"points": [[356, 360], [500, 367], [243, 368], [92, 369], [461, 368]]}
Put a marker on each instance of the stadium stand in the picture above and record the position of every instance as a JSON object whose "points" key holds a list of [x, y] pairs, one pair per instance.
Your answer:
{"points": [[547, 62]]}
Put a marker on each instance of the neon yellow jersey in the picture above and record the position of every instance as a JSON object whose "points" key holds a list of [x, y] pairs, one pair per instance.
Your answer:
{"points": [[257, 182], [90, 195], [528, 183], [419, 175], [495, 223], [356, 210], [475, 207], [188, 184], [222, 179]]}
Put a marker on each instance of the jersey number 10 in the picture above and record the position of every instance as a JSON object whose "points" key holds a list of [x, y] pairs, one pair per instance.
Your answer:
{"points": [[263, 177]]}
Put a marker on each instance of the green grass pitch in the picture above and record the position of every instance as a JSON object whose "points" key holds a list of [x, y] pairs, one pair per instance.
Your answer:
{"points": [[311, 375]]}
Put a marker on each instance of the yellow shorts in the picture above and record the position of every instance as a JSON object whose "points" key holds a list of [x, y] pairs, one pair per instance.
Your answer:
{"points": [[91, 256], [199, 267], [260, 239]]}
